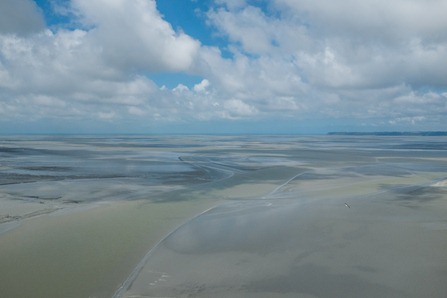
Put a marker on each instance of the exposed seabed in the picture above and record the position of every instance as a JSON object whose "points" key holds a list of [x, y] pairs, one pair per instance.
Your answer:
{"points": [[327, 216]]}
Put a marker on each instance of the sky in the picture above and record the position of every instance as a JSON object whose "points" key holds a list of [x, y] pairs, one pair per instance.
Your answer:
{"points": [[222, 66]]}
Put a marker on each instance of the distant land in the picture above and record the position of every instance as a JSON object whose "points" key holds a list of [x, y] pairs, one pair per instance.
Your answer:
{"points": [[391, 133]]}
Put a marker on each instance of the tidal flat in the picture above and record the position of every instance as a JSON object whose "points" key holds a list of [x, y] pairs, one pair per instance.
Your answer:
{"points": [[223, 216]]}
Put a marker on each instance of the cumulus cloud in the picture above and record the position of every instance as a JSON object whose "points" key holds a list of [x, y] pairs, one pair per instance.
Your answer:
{"points": [[98, 66], [248, 26], [369, 20], [376, 38], [353, 59], [132, 35], [299, 59], [235, 108], [232, 4], [202, 86], [20, 17]]}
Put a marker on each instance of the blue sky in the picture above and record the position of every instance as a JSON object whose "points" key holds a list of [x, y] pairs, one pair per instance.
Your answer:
{"points": [[222, 66]]}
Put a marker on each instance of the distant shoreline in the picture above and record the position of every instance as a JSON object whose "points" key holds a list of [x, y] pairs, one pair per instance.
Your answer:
{"points": [[391, 133]]}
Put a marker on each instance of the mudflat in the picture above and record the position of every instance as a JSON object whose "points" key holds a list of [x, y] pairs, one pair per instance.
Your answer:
{"points": [[223, 216]]}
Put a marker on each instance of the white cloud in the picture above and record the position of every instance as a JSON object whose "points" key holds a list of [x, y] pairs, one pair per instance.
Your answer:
{"points": [[136, 111], [21, 17], [232, 4], [94, 68], [202, 86], [236, 108], [298, 59], [326, 69], [340, 59], [381, 42], [132, 35], [379, 19], [407, 120], [248, 26], [180, 88], [425, 98], [106, 115]]}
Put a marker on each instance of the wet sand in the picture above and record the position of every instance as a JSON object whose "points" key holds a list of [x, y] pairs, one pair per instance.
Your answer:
{"points": [[85, 253], [290, 217], [383, 244], [309, 249]]}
